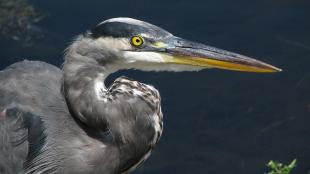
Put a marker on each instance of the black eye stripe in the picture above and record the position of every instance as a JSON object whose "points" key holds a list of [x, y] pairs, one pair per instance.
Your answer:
{"points": [[125, 30]]}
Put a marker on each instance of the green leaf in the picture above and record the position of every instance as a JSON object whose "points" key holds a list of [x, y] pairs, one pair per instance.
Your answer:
{"points": [[279, 168]]}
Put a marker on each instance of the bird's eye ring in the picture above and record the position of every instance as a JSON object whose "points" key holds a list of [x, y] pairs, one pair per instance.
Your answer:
{"points": [[137, 41]]}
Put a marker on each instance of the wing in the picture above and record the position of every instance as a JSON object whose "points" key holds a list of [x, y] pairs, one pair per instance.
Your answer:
{"points": [[139, 114], [22, 131], [21, 134]]}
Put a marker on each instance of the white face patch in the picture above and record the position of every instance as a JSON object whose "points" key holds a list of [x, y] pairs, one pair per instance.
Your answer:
{"points": [[136, 57], [151, 61]]}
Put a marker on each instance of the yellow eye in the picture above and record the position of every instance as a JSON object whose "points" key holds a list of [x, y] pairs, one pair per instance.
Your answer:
{"points": [[137, 41]]}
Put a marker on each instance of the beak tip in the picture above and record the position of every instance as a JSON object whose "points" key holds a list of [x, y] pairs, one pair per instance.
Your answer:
{"points": [[275, 69]]}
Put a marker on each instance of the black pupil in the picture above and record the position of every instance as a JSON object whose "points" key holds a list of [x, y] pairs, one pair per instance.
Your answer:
{"points": [[137, 40]]}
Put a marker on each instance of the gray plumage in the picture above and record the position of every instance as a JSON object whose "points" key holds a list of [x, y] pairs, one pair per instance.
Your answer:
{"points": [[32, 90], [97, 136], [67, 121]]}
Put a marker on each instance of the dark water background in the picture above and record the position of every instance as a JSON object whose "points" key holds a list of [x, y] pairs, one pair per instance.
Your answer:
{"points": [[216, 121]]}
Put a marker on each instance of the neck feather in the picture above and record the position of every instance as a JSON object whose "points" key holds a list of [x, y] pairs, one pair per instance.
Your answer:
{"points": [[84, 77], [134, 126]]}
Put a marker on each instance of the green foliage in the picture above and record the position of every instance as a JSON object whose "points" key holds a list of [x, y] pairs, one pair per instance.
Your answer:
{"points": [[279, 168], [16, 17]]}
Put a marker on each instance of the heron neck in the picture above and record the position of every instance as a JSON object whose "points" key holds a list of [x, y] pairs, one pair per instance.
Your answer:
{"points": [[85, 69], [87, 98], [83, 83]]}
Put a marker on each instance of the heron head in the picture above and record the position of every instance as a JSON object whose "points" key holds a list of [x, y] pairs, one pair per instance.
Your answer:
{"points": [[140, 45]]}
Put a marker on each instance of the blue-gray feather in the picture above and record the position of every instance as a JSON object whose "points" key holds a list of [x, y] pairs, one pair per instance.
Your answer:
{"points": [[38, 116]]}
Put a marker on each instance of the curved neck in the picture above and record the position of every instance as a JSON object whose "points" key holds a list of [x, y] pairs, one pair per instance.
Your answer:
{"points": [[85, 69], [131, 127], [87, 96], [83, 88]]}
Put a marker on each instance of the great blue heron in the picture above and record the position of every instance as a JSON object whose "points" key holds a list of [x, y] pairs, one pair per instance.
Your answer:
{"points": [[68, 121]]}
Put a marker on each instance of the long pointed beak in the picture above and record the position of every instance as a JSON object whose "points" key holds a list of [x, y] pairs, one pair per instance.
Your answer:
{"points": [[180, 51]]}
